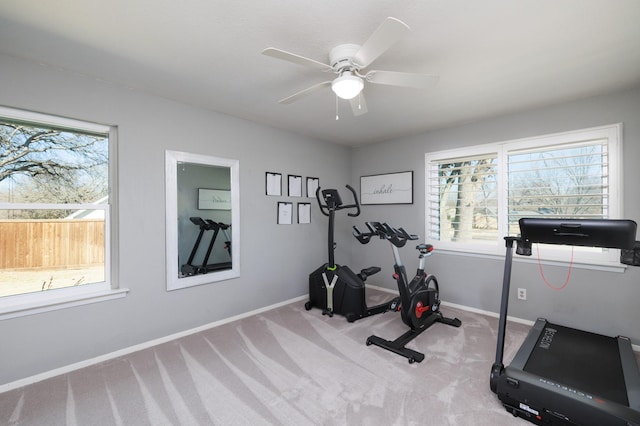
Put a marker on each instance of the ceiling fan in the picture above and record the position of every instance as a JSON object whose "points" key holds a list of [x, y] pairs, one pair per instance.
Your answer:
{"points": [[349, 61]]}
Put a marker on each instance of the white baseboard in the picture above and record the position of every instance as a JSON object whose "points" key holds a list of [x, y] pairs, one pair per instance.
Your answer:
{"points": [[106, 357], [636, 348], [487, 313], [463, 307]]}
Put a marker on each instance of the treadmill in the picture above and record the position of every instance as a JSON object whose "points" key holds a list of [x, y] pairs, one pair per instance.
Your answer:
{"points": [[560, 375]]}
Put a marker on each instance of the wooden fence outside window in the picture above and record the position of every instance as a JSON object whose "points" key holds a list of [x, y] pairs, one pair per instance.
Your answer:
{"points": [[36, 244]]}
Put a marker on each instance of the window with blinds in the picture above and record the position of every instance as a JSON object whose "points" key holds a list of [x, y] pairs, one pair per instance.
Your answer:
{"points": [[475, 196], [463, 199], [567, 181]]}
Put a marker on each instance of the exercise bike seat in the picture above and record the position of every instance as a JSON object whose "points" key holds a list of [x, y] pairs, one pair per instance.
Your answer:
{"points": [[424, 248], [367, 272]]}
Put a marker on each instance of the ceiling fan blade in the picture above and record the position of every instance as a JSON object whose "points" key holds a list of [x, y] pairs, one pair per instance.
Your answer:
{"points": [[386, 35], [296, 59], [404, 79], [305, 92], [358, 105]]}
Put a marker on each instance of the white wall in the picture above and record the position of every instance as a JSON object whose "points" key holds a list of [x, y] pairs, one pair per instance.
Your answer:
{"points": [[275, 260], [597, 301]]}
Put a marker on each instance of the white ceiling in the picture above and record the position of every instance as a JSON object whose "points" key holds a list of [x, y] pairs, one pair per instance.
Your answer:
{"points": [[493, 56]]}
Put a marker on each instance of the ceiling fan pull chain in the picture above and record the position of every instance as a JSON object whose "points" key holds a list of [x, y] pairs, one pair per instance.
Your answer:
{"points": [[337, 116]]}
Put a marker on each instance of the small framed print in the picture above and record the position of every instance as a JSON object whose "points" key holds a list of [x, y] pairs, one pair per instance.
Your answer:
{"points": [[312, 186], [304, 212], [295, 186], [273, 184], [285, 213]]}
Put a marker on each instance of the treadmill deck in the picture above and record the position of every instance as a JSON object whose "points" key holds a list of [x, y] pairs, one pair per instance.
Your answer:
{"points": [[581, 360]]}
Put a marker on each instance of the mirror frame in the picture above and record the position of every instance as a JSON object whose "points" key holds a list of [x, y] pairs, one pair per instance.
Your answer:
{"points": [[172, 159]]}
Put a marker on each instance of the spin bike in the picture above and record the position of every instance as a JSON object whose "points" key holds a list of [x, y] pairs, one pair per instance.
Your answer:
{"points": [[334, 288], [419, 298]]}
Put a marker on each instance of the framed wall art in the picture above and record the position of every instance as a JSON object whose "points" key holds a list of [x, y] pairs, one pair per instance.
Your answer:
{"points": [[312, 186], [285, 213], [214, 199], [273, 183], [304, 212], [390, 188], [295, 186]]}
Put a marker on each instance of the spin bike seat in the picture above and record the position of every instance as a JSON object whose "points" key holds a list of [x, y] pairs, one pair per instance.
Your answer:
{"points": [[424, 248], [366, 272]]}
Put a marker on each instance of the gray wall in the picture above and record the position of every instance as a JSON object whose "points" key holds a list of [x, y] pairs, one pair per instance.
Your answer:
{"points": [[593, 300], [275, 259]]}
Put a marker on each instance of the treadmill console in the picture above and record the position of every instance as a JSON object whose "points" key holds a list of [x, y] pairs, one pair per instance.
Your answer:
{"points": [[610, 233]]}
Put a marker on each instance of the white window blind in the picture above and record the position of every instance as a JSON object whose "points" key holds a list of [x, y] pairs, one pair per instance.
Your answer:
{"points": [[463, 199], [566, 181], [476, 195]]}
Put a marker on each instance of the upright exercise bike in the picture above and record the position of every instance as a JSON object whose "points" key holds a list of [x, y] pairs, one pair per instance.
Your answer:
{"points": [[334, 288], [419, 298]]}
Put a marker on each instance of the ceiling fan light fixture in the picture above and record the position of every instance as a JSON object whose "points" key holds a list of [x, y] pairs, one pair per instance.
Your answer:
{"points": [[347, 86]]}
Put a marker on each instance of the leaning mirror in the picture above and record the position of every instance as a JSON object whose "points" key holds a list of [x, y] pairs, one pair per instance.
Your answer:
{"points": [[203, 216]]}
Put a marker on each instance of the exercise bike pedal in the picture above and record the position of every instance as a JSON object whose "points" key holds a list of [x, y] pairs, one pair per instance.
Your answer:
{"points": [[395, 304]]}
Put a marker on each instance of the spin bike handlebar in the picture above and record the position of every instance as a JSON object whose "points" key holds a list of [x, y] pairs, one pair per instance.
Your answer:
{"points": [[336, 202], [363, 237], [397, 237]]}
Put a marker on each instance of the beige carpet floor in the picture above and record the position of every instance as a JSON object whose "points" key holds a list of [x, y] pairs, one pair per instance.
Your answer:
{"points": [[287, 366]]}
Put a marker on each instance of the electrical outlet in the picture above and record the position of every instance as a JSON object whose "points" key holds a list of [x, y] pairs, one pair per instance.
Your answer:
{"points": [[522, 293]]}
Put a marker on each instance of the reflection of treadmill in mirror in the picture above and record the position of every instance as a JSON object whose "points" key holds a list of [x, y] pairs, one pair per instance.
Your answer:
{"points": [[560, 375], [220, 266], [189, 268]]}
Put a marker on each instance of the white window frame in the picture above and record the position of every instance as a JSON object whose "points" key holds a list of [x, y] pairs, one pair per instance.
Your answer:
{"points": [[605, 259], [33, 303]]}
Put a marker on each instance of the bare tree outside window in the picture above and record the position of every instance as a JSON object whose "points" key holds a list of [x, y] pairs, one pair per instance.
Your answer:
{"points": [[467, 200], [50, 180], [41, 165], [567, 182]]}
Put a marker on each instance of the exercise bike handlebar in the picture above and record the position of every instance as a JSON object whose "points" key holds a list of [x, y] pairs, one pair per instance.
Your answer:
{"points": [[397, 237], [325, 208], [406, 235], [363, 237], [356, 204]]}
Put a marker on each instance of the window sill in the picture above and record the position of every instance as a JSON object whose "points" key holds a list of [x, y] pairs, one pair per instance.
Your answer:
{"points": [[24, 308], [606, 267]]}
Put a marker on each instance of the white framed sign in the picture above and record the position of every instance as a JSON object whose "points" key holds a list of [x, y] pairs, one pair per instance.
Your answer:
{"points": [[391, 188], [214, 199]]}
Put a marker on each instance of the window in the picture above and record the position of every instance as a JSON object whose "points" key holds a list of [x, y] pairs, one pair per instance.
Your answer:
{"points": [[475, 196], [56, 199]]}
